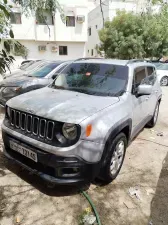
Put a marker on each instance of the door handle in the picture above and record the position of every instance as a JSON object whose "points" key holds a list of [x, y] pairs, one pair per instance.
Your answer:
{"points": [[156, 91], [147, 98]]}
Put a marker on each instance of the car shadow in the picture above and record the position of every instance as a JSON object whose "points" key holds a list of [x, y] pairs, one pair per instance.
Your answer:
{"points": [[159, 204], [45, 187], [38, 183]]}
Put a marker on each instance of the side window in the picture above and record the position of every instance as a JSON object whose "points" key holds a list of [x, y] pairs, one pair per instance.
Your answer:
{"points": [[139, 77], [151, 76]]}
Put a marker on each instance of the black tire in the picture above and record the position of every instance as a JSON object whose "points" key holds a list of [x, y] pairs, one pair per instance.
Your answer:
{"points": [[153, 121], [164, 81], [105, 172]]}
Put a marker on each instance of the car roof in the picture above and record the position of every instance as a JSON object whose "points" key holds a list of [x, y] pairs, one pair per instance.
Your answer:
{"points": [[130, 63], [52, 61], [102, 61]]}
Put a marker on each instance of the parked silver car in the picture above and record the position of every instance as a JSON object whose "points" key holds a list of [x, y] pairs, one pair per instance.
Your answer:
{"points": [[34, 78], [79, 127]]}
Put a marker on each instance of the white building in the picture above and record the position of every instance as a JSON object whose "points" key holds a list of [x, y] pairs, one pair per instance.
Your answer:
{"points": [[56, 40], [110, 8]]}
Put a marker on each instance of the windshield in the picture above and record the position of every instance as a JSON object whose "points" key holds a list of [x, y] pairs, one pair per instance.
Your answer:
{"points": [[36, 65], [43, 70], [163, 66], [93, 79]]}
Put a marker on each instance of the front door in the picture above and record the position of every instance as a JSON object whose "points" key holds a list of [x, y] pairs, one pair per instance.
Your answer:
{"points": [[139, 103], [151, 80]]}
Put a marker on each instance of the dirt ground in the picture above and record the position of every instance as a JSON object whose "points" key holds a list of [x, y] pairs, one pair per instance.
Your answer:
{"points": [[25, 199]]}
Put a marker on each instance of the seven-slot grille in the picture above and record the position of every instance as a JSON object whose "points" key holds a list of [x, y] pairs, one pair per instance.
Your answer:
{"points": [[32, 124]]}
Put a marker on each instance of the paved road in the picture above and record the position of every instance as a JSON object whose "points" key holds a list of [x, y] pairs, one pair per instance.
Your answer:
{"points": [[26, 198]]}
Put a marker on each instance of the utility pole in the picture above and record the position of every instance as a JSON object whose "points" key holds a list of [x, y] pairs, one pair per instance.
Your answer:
{"points": [[102, 12]]}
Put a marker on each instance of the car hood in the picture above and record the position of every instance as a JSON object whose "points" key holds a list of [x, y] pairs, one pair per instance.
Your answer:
{"points": [[61, 105], [18, 81]]}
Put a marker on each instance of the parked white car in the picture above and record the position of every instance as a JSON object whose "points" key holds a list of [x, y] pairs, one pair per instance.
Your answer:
{"points": [[162, 72]]}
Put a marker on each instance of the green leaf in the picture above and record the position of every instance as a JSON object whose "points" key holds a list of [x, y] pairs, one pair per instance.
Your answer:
{"points": [[7, 46], [2, 7], [11, 57], [5, 1], [11, 34], [10, 6], [4, 53]]}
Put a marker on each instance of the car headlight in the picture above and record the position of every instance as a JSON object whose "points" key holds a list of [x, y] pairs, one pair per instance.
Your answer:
{"points": [[7, 90], [69, 131]]}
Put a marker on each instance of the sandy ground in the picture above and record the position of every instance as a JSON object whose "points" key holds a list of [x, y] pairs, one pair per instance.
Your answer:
{"points": [[24, 198]]}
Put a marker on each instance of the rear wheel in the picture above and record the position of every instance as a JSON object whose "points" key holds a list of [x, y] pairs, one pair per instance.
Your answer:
{"points": [[164, 81], [114, 158], [153, 121]]}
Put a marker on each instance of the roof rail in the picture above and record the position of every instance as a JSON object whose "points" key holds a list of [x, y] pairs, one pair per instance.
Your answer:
{"points": [[135, 60], [86, 58]]}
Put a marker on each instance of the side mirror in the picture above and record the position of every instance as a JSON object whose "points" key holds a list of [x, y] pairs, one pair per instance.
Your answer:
{"points": [[144, 90], [54, 76]]}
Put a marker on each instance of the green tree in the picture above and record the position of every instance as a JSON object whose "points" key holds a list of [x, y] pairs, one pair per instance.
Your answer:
{"points": [[5, 31], [132, 35], [8, 44], [41, 6]]}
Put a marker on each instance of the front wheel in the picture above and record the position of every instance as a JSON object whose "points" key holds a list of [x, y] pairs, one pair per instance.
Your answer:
{"points": [[153, 121], [164, 81], [114, 158]]}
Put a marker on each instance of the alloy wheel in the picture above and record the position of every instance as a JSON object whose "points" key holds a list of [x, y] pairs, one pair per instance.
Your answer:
{"points": [[117, 157]]}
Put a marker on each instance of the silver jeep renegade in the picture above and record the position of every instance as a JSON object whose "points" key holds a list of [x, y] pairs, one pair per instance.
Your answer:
{"points": [[78, 128]]}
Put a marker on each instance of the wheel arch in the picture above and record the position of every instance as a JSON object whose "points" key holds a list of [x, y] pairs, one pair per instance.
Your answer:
{"points": [[124, 127]]}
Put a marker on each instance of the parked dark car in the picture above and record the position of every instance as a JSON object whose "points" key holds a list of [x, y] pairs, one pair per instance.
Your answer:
{"points": [[40, 77]]}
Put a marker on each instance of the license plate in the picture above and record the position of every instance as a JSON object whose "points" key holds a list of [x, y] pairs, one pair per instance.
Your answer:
{"points": [[23, 151]]}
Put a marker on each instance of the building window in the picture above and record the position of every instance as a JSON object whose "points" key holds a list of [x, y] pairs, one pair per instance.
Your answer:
{"points": [[70, 21], [45, 18], [96, 26], [15, 18], [63, 50], [89, 31], [92, 53]]}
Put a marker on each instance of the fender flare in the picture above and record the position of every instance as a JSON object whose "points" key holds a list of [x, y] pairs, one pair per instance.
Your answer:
{"points": [[116, 129]]}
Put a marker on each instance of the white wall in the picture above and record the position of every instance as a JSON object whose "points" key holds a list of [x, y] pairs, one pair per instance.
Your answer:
{"points": [[75, 50], [109, 10], [25, 30], [95, 19], [42, 33], [32, 35], [29, 30], [77, 33]]}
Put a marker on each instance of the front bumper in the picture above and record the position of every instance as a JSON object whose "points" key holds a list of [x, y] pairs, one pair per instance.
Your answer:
{"points": [[50, 167]]}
